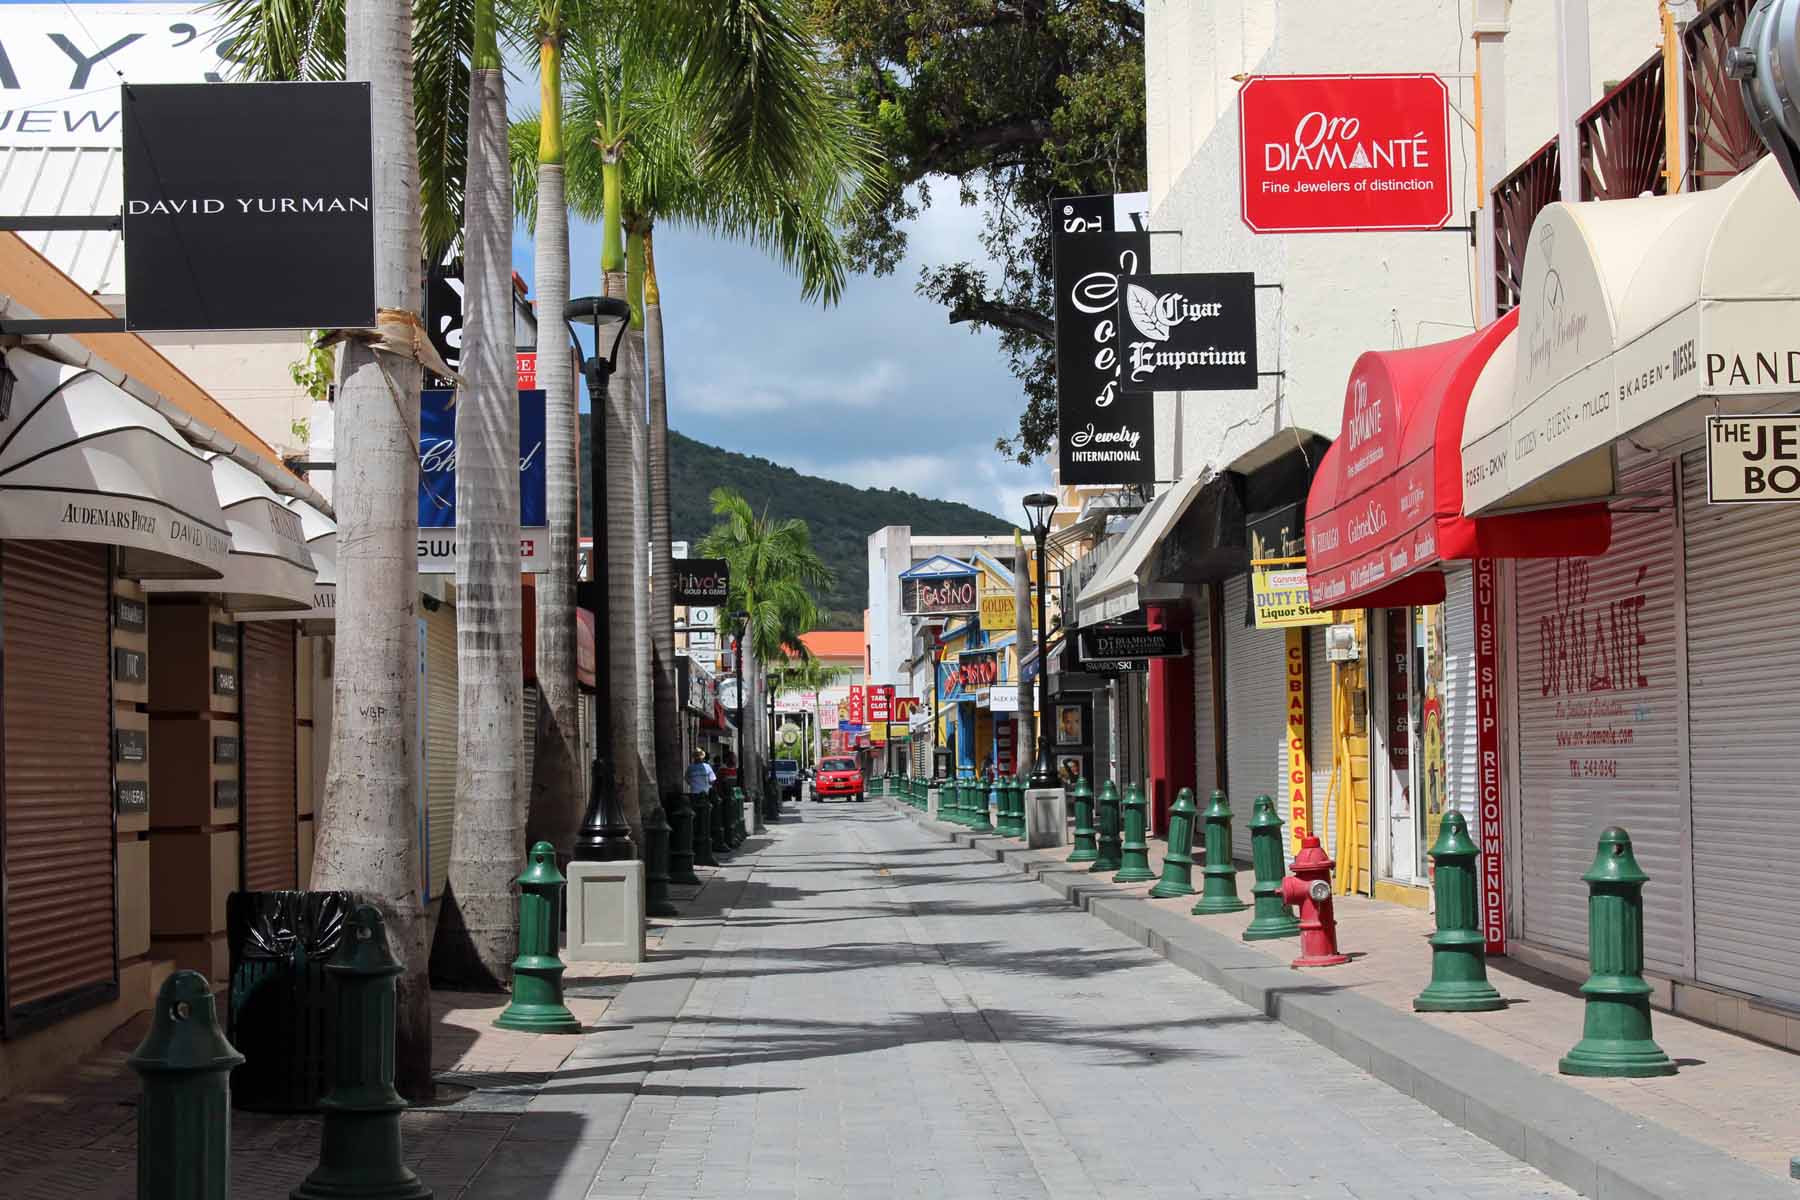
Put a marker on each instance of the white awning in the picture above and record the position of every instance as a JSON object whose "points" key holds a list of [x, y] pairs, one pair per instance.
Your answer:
{"points": [[1119, 586], [1632, 310], [270, 566], [1486, 434], [320, 532], [83, 461]]}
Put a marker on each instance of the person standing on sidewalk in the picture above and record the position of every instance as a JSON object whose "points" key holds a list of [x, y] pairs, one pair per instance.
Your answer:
{"points": [[700, 775]]}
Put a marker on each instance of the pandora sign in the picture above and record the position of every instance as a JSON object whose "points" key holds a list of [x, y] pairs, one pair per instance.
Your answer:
{"points": [[1327, 153]]}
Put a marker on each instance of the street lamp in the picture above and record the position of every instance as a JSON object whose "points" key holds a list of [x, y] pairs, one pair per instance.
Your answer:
{"points": [[1766, 64], [1038, 507], [604, 834]]}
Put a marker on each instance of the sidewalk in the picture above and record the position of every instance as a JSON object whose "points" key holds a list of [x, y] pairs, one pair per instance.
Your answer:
{"points": [[1732, 1095], [78, 1138]]}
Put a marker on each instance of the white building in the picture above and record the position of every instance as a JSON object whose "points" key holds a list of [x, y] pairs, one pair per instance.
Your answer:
{"points": [[894, 549]]}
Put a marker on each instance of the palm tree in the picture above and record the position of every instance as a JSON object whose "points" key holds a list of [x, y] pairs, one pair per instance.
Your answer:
{"points": [[477, 934], [774, 570]]}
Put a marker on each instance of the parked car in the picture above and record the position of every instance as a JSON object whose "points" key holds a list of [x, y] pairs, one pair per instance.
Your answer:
{"points": [[787, 777], [838, 777]]}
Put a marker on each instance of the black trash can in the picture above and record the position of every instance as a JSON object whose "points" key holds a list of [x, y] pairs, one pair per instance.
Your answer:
{"points": [[280, 1010]]}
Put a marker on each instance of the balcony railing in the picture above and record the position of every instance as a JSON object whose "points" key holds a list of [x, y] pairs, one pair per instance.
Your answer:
{"points": [[1622, 138], [1723, 142], [1518, 199]]}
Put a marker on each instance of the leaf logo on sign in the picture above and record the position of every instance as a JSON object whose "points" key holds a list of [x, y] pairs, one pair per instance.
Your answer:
{"points": [[1146, 313]]}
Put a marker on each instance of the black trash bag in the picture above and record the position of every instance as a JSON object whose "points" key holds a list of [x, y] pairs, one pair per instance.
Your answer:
{"points": [[281, 1004]]}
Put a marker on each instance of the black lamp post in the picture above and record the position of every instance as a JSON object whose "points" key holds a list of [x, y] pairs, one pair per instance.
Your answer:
{"points": [[604, 835], [1038, 507], [771, 799]]}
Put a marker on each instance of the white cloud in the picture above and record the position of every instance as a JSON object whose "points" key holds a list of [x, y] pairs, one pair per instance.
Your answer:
{"points": [[717, 394], [963, 474]]}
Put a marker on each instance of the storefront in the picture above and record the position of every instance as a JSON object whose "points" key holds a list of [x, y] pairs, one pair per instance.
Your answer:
{"points": [[1385, 534], [1642, 676]]}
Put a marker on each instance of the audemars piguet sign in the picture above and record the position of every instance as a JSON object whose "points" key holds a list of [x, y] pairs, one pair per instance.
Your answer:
{"points": [[1189, 332], [1103, 434], [248, 206]]}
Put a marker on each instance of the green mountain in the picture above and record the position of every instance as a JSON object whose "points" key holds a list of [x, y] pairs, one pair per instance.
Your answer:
{"points": [[840, 516]]}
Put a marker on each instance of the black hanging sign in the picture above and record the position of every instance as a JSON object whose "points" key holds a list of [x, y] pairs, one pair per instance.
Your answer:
{"points": [[131, 745], [1192, 333], [225, 793], [1103, 434], [225, 749], [130, 666], [701, 582], [248, 206], [225, 639], [131, 795], [1130, 641], [945, 595], [129, 615], [224, 681]]}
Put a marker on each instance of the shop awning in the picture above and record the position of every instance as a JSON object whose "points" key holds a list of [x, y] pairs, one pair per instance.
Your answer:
{"points": [[270, 567], [83, 461], [1122, 584], [1386, 505], [320, 532], [1632, 311]]}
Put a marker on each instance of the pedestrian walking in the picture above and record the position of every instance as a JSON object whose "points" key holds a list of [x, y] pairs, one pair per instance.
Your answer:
{"points": [[700, 775]]}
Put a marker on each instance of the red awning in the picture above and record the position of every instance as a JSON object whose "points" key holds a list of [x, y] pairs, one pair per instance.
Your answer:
{"points": [[1386, 503]]}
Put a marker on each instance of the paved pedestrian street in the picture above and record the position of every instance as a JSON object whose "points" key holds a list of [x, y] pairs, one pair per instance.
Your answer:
{"points": [[855, 1008]]}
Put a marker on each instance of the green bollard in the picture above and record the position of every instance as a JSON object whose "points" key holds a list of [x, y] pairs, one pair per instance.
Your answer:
{"points": [[1083, 797], [656, 863], [537, 1000], [1615, 1028], [724, 825], [959, 802], [979, 819], [184, 1115], [1218, 874], [1134, 851], [1272, 918], [1015, 806], [740, 833], [1459, 981], [1178, 861], [1107, 835], [681, 839], [359, 1139], [703, 836]]}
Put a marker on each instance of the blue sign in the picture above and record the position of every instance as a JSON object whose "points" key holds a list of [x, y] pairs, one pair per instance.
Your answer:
{"points": [[437, 480]]}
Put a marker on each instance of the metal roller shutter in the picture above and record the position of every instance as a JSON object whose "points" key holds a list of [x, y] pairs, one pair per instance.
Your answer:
{"points": [[1600, 726], [271, 839], [1255, 714], [58, 804], [440, 701], [1743, 566], [1459, 695], [1318, 735], [1206, 763], [528, 757]]}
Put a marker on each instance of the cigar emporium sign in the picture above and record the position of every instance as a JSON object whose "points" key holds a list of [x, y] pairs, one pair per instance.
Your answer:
{"points": [[1329, 153], [1104, 434], [1188, 332]]}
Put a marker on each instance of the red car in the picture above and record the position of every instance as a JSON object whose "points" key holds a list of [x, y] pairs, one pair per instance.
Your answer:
{"points": [[838, 777]]}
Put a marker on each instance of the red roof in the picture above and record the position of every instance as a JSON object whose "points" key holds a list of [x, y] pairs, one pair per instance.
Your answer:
{"points": [[835, 643]]}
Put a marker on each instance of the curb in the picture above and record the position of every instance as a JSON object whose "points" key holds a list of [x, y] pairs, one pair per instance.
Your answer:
{"points": [[1569, 1135]]}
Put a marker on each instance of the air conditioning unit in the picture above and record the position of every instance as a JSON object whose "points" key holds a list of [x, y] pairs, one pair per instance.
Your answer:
{"points": [[1341, 644]]}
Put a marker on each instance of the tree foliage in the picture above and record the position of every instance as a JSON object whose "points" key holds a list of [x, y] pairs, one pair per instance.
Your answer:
{"points": [[1017, 102]]}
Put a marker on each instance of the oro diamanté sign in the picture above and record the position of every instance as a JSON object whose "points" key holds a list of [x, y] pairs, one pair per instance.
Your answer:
{"points": [[1329, 153]]}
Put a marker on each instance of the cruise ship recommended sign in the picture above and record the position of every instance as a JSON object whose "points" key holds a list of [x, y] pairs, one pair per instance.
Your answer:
{"points": [[1333, 153]]}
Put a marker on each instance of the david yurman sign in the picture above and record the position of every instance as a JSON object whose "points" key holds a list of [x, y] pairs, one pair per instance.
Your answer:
{"points": [[1103, 434], [1131, 641], [248, 206], [701, 582], [1191, 333]]}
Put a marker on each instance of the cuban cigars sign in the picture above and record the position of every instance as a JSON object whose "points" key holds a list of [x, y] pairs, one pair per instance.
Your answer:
{"points": [[1192, 333], [940, 596], [1331, 153], [228, 227], [437, 483], [1103, 435], [1299, 771]]}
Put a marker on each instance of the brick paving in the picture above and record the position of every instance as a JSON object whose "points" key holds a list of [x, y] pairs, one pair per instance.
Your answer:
{"points": [[867, 1011]]}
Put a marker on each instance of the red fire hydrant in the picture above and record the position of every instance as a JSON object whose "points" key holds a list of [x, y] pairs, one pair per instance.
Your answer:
{"points": [[1310, 887]]}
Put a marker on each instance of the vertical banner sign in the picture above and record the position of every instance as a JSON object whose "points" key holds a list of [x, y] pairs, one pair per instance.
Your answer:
{"points": [[1103, 435], [1299, 777], [858, 709], [1327, 153], [1487, 757], [437, 483]]}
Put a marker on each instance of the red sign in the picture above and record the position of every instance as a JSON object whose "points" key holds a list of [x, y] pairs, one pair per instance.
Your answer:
{"points": [[881, 702], [857, 713], [1328, 153], [904, 708], [1491, 803], [528, 370]]}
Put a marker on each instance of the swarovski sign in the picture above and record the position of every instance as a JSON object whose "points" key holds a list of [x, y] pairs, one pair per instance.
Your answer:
{"points": [[228, 227]]}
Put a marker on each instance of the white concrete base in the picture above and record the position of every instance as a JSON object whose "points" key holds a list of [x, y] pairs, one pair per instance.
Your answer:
{"points": [[606, 912], [753, 818], [1046, 817], [932, 796]]}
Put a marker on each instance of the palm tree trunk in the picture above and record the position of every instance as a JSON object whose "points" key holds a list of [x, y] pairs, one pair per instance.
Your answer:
{"points": [[670, 753], [369, 820], [477, 935], [1023, 641], [557, 795], [625, 560], [644, 716]]}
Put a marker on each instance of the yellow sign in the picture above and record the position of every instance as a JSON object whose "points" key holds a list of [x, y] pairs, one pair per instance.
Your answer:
{"points": [[999, 612], [1299, 777], [877, 733], [1282, 599]]}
